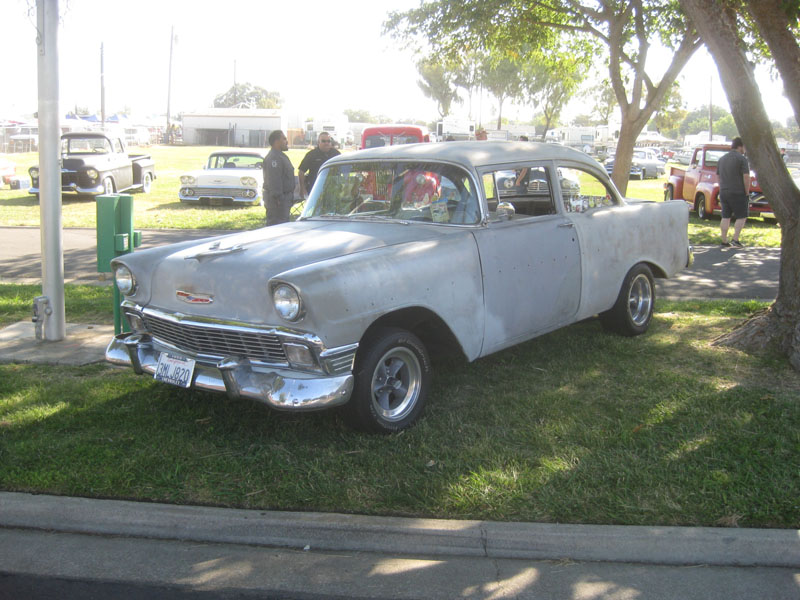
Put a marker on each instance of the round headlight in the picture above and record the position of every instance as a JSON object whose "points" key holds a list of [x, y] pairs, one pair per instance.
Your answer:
{"points": [[286, 301], [124, 280], [248, 181], [92, 173], [188, 179]]}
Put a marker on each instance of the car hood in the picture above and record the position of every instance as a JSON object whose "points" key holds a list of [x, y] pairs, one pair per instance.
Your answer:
{"points": [[225, 176], [233, 272]]}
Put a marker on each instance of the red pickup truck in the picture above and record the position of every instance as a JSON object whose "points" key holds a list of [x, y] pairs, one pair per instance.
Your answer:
{"points": [[699, 183]]}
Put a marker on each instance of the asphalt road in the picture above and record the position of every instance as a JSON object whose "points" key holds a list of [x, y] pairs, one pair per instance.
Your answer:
{"points": [[749, 273]]}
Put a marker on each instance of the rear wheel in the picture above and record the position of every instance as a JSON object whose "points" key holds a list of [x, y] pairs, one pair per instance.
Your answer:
{"points": [[633, 310], [392, 375], [147, 183]]}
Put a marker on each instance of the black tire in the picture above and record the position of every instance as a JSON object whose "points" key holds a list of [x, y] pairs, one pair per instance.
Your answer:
{"points": [[669, 194], [643, 175], [392, 376], [700, 207], [108, 186], [147, 183], [633, 310]]}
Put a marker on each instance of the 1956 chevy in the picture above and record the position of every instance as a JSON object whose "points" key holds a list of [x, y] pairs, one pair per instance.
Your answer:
{"points": [[400, 251]]}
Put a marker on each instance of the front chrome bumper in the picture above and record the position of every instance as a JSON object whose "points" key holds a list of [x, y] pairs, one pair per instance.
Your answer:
{"points": [[282, 389]]}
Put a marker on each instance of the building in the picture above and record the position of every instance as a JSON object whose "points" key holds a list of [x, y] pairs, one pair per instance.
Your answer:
{"points": [[248, 127]]}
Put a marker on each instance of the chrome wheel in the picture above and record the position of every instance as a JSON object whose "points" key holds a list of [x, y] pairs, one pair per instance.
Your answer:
{"points": [[108, 186], [147, 182], [640, 300], [396, 384]]}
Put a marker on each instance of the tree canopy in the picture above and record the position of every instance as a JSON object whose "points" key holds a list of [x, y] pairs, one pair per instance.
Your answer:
{"points": [[246, 95], [622, 32]]}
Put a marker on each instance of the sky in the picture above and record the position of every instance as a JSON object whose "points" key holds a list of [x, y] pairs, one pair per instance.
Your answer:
{"points": [[322, 57]]}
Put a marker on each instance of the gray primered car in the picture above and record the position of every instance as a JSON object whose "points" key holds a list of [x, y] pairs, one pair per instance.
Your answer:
{"points": [[400, 252]]}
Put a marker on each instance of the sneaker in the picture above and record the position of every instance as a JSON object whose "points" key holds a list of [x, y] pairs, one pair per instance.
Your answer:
{"points": [[736, 244], [725, 244]]}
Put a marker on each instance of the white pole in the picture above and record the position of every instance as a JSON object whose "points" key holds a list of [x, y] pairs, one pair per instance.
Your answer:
{"points": [[50, 169]]}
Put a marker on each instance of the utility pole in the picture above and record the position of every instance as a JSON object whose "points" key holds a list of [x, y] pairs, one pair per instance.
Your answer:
{"points": [[169, 84], [52, 303], [102, 89]]}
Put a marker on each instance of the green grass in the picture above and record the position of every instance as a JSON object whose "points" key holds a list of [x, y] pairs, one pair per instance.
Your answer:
{"points": [[577, 426], [84, 303], [161, 209]]}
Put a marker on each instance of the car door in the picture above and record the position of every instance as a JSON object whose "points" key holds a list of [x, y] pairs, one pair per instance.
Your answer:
{"points": [[530, 261], [122, 166]]}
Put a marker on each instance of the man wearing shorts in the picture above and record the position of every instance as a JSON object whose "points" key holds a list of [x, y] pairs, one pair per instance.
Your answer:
{"points": [[734, 190]]}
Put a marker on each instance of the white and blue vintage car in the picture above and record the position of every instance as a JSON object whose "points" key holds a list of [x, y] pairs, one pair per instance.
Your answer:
{"points": [[400, 252]]}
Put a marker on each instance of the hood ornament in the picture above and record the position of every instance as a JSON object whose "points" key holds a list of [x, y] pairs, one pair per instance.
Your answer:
{"points": [[215, 250]]}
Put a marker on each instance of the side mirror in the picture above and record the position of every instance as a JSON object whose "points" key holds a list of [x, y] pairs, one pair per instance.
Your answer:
{"points": [[505, 211]]}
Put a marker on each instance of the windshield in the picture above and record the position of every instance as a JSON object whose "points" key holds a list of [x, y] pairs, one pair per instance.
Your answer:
{"points": [[234, 161], [391, 191], [89, 145]]}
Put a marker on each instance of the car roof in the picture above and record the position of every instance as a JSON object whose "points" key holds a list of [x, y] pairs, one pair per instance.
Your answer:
{"points": [[470, 154], [257, 153]]}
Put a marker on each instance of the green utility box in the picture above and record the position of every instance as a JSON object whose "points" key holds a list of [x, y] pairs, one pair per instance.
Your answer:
{"points": [[115, 237]]}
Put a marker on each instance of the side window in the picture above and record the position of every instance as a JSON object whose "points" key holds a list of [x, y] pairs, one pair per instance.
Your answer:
{"points": [[528, 189], [117, 146], [582, 191]]}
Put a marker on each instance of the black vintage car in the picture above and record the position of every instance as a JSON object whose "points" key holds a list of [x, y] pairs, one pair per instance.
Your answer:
{"points": [[96, 163]]}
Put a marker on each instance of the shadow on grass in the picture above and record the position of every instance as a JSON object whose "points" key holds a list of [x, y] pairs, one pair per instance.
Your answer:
{"points": [[575, 426]]}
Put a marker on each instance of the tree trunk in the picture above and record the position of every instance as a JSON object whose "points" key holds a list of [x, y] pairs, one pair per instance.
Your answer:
{"points": [[778, 327]]}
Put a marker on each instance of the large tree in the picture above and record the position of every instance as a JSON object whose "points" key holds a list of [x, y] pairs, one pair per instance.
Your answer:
{"points": [[437, 83], [624, 29], [502, 79], [720, 26], [549, 82], [248, 95]]}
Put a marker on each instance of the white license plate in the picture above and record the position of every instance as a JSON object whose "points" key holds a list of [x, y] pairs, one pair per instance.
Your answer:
{"points": [[173, 369]]}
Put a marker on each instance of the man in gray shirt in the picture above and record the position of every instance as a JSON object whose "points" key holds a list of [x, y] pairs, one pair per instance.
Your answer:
{"points": [[278, 179], [734, 190]]}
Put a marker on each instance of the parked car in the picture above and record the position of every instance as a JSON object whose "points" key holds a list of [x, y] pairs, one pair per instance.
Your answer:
{"points": [[96, 163], [683, 157], [402, 253], [645, 163], [698, 184], [390, 135], [229, 177]]}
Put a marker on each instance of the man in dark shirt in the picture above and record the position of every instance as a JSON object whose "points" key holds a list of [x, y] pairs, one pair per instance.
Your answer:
{"points": [[734, 190], [278, 179], [313, 160]]}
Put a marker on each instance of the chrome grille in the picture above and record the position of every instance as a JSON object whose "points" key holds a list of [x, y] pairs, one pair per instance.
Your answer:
{"points": [[219, 192], [217, 341]]}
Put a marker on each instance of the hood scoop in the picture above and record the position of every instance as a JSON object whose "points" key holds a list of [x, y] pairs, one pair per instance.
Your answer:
{"points": [[214, 250]]}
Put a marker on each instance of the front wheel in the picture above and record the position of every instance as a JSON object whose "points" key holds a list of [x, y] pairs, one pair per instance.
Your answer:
{"points": [[108, 186], [669, 194], [633, 310], [392, 376]]}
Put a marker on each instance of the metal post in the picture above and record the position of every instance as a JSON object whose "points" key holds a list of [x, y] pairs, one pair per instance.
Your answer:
{"points": [[169, 84], [102, 89], [50, 169]]}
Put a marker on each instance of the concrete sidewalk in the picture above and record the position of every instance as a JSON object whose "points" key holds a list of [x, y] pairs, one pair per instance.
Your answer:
{"points": [[321, 555]]}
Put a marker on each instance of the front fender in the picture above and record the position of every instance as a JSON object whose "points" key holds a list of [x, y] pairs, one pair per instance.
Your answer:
{"points": [[343, 296]]}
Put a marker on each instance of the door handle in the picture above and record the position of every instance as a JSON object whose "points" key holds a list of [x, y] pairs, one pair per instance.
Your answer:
{"points": [[568, 225]]}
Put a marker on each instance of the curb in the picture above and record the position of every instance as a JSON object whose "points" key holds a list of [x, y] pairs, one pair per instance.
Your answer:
{"points": [[402, 535]]}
